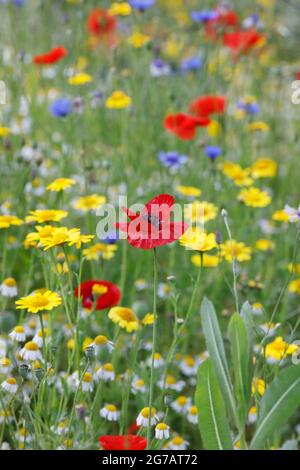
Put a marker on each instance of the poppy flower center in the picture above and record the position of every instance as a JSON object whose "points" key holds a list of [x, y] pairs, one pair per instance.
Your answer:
{"points": [[153, 220]]}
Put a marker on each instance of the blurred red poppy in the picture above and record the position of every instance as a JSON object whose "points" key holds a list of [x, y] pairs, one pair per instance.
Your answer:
{"points": [[207, 105], [101, 23], [51, 57], [152, 227], [184, 125], [100, 301], [242, 41], [129, 442]]}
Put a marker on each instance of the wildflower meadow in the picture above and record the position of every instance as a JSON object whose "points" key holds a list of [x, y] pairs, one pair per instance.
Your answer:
{"points": [[149, 225]]}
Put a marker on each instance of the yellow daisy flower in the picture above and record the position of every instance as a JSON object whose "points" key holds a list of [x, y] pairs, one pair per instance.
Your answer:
{"points": [[60, 184], [294, 286], [240, 251], [100, 250], [280, 216], [209, 261], [264, 244], [89, 203], [80, 79], [254, 197], [196, 239], [201, 211], [8, 220], [46, 215], [124, 317], [138, 40], [4, 131], [120, 8], [118, 100], [39, 301], [264, 168], [189, 191]]}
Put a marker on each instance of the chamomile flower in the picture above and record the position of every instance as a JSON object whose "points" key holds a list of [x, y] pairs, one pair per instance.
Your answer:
{"points": [[5, 415], [171, 383], [269, 328], [38, 337], [177, 443], [181, 404], [10, 385], [158, 361], [8, 288], [144, 417], [23, 435], [5, 365], [188, 366], [18, 334], [257, 308], [162, 431], [87, 382], [138, 385], [106, 372], [31, 352], [252, 415], [192, 414], [110, 412], [61, 428], [101, 342]]}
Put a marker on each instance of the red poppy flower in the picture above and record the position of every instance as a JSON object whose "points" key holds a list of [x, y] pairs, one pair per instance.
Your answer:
{"points": [[226, 18], [184, 125], [101, 23], [242, 41], [100, 301], [152, 227], [129, 442], [207, 105], [133, 428], [51, 57]]}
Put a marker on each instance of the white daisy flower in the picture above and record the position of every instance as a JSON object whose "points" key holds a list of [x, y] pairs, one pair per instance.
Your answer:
{"points": [[110, 412], [10, 385], [8, 288], [106, 372], [144, 417], [31, 352], [162, 431], [192, 415], [18, 334]]}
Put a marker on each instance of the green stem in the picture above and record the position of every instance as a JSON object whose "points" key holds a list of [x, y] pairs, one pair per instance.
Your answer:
{"points": [[154, 338]]}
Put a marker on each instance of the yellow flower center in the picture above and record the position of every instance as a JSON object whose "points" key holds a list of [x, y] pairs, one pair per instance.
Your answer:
{"points": [[9, 282], [100, 340], [182, 400], [87, 377], [162, 426], [19, 329], [11, 381], [108, 367], [99, 289], [31, 346], [146, 412], [111, 408]]}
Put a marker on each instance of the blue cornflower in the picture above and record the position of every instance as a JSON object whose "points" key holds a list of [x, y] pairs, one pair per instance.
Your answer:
{"points": [[212, 151], [172, 160], [203, 16], [191, 64], [141, 4], [111, 238], [250, 107], [61, 107], [159, 68]]}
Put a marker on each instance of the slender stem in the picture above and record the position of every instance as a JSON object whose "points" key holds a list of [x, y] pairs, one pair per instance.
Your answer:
{"points": [[234, 272], [154, 338]]}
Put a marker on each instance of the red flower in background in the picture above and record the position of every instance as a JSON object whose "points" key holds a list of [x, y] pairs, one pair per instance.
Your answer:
{"points": [[129, 442], [184, 125], [226, 20], [90, 298], [101, 23], [242, 41], [207, 105], [51, 57], [152, 227]]}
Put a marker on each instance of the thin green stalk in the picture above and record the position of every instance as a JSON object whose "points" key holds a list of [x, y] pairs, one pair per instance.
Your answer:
{"points": [[154, 339]]}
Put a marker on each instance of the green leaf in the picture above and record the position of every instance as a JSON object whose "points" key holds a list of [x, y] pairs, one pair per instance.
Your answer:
{"points": [[216, 351], [280, 401], [247, 316], [241, 363], [214, 428]]}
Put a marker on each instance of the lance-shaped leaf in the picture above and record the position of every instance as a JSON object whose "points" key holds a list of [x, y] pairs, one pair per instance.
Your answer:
{"points": [[280, 401], [214, 428], [241, 363], [216, 351], [247, 315]]}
